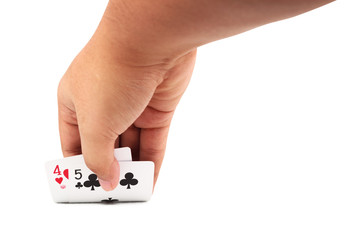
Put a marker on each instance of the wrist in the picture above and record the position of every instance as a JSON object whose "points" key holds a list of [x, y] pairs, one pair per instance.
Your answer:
{"points": [[127, 34]]}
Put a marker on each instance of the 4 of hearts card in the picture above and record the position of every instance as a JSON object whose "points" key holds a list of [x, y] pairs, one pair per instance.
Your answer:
{"points": [[71, 181]]}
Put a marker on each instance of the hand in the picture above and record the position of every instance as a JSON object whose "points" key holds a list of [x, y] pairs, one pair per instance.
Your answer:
{"points": [[131, 75], [101, 96]]}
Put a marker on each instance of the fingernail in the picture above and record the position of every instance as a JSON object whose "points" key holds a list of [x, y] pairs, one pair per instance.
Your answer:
{"points": [[106, 185]]}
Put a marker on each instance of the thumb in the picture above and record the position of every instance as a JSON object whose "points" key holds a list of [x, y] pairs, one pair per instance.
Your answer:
{"points": [[98, 152]]}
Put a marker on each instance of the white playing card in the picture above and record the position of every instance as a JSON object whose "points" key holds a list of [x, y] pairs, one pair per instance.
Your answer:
{"points": [[123, 154], [59, 176], [71, 181]]}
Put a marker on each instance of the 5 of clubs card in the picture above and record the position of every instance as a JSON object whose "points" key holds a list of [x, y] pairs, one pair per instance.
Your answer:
{"points": [[71, 181]]}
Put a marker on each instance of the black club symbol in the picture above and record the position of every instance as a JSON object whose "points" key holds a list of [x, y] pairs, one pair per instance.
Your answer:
{"points": [[92, 182], [79, 185], [129, 180]]}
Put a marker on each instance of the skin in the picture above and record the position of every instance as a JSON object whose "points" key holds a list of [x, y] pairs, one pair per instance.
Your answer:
{"points": [[123, 87]]}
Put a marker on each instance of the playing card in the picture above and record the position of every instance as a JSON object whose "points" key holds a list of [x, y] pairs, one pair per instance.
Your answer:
{"points": [[123, 154], [71, 181]]}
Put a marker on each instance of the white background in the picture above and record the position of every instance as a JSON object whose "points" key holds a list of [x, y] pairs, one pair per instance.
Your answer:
{"points": [[264, 144]]}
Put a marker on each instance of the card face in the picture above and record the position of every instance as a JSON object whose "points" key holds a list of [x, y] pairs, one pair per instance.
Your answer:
{"points": [[71, 181]]}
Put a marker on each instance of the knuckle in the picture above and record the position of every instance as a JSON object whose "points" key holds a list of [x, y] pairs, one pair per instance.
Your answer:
{"points": [[153, 153]]}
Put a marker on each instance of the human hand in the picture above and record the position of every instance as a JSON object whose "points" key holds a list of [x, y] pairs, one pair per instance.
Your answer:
{"points": [[101, 96], [131, 75]]}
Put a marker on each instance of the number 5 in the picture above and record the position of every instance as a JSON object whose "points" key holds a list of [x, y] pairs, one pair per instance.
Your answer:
{"points": [[77, 172]]}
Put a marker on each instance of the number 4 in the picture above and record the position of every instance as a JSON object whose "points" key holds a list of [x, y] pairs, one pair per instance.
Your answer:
{"points": [[57, 170]]}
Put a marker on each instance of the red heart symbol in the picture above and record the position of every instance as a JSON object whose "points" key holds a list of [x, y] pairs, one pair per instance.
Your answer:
{"points": [[66, 173], [62, 186], [59, 180]]}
